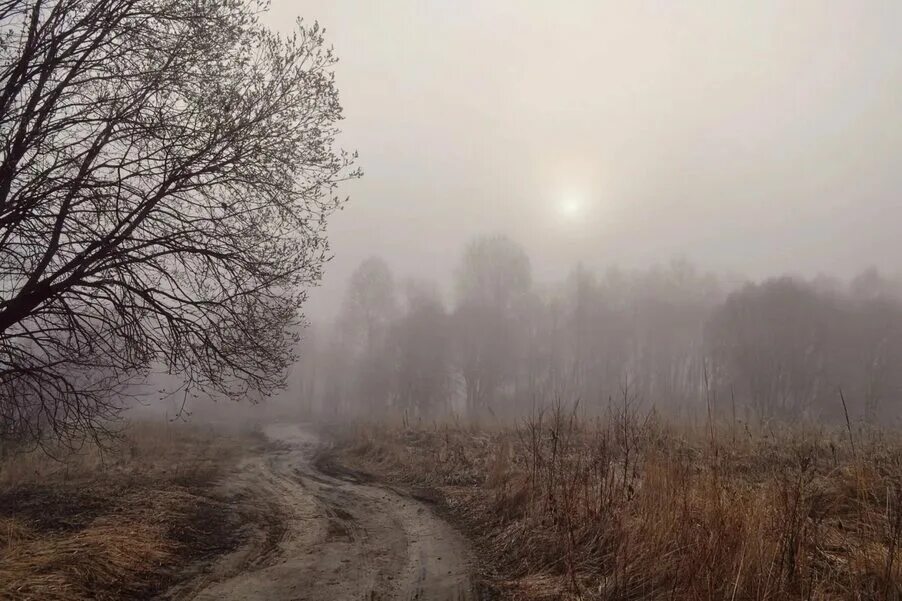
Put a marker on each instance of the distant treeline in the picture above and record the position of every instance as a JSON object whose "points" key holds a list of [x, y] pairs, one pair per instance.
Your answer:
{"points": [[671, 337]]}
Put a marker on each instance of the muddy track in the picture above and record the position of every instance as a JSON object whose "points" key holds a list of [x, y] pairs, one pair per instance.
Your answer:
{"points": [[315, 536]]}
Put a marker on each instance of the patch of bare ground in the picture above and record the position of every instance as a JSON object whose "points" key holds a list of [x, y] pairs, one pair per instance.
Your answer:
{"points": [[121, 523], [629, 507]]}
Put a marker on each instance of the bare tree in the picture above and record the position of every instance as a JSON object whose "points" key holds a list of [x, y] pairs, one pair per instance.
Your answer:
{"points": [[370, 304], [368, 310], [775, 341], [493, 281], [166, 168], [421, 353]]}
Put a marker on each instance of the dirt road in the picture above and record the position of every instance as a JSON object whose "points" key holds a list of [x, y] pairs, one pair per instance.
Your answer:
{"points": [[317, 537]]}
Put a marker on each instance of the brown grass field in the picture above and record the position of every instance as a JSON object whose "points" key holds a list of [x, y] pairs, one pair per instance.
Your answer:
{"points": [[116, 523], [559, 506], [629, 507]]}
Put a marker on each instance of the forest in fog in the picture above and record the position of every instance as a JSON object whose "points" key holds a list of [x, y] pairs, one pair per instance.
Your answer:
{"points": [[671, 337]]}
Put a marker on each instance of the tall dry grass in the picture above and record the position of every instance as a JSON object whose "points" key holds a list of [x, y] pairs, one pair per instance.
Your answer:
{"points": [[627, 506], [112, 523]]}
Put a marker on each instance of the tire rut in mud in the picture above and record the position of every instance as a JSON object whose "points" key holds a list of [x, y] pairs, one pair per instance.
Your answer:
{"points": [[329, 534]]}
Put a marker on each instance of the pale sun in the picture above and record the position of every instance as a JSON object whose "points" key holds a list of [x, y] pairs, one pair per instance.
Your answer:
{"points": [[571, 207]]}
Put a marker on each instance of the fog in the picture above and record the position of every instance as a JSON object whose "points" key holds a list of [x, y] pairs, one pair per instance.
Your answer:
{"points": [[741, 142], [450, 299], [670, 176], [753, 139], [670, 338]]}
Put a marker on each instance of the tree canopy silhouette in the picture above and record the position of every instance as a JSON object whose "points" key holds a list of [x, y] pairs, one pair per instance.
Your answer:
{"points": [[166, 169]]}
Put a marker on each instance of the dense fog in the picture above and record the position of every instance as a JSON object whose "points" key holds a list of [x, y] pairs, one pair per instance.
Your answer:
{"points": [[748, 138], [719, 156], [667, 183], [671, 337]]}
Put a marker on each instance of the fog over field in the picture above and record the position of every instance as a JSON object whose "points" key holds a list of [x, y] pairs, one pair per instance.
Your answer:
{"points": [[750, 139], [450, 300]]}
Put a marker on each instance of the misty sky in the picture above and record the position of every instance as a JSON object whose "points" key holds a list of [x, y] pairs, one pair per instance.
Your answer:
{"points": [[746, 137]]}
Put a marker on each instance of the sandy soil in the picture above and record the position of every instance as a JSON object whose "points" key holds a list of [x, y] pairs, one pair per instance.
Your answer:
{"points": [[314, 536]]}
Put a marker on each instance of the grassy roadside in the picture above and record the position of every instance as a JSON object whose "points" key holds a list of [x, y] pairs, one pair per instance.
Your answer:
{"points": [[115, 524], [629, 507]]}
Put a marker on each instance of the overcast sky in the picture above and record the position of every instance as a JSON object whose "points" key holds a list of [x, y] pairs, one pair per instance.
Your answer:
{"points": [[746, 137]]}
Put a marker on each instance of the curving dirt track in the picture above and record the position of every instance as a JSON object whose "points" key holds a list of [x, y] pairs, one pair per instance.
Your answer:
{"points": [[316, 537]]}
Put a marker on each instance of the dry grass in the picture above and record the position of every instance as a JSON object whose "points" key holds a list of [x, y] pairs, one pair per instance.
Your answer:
{"points": [[115, 524], [627, 507]]}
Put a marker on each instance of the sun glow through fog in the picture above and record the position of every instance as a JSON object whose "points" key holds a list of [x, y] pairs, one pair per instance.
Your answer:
{"points": [[571, 207]]}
